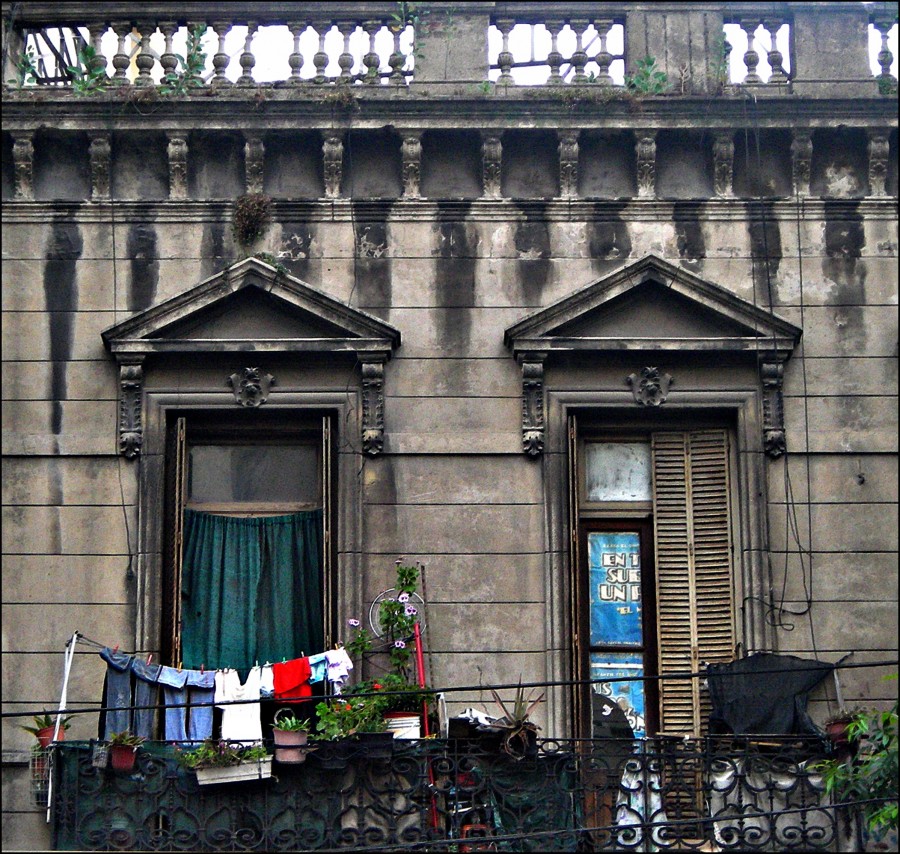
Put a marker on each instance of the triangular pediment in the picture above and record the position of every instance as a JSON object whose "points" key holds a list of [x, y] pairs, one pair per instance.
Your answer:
{"points": [[251, 306], [652, 305]]}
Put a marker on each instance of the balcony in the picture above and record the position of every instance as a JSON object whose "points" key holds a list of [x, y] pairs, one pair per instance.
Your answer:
{"points": [[463, 795]]}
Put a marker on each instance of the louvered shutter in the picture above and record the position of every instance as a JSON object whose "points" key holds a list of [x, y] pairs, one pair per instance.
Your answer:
{"points": [[178, 538], [695, 614]]}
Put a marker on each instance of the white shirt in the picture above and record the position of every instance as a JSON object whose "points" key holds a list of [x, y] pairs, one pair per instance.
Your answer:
{"points": [[240, 722]]}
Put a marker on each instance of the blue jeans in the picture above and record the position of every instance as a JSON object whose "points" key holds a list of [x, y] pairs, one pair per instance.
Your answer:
{"points": [[173, 682], [146, 692], [118, 691], [202, 690]]}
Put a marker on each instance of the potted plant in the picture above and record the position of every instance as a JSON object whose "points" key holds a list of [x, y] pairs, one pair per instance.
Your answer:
{"points": [[123, 750], [291, 735], [44, 726], [518, 731], [837, 728], [221, 761]]}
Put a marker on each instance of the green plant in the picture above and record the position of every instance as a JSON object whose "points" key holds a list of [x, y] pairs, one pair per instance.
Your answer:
{"points": [[393, 694], [516, 724], [26, 70], [45, 720], [219, 753], [89, 76], [887, 86], [252, 213], [647, 78], [126, 738], [870, 776], [398, 617], [346, 715], [290, 722], [192, 64], [272, 261], [341, 96]]}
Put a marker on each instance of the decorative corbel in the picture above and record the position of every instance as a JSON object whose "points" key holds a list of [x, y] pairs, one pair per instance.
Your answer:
{"points": [[568, 165], [131, 389], [801, 157], [533, 403], [23, 165], [100, 157], [491, 156], [178, 152], [373, 408], [723, 156], [645, 151], [771, 372], [250, 386], [879, 153], [254, 158], [650, 387], [333, 159], [412, 159]]}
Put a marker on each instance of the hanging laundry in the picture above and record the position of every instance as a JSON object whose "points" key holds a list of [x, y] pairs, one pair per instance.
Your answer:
{"points": [[291, 680], [318, 665], [339, 667], [267, 681], [201, 691], [146, 694], [174, 698], [117, 692], [239, 722]]}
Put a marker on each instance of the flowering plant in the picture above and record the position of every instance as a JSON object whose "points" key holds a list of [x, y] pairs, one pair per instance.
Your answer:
{"points": [[219, 753], [347, 715]]}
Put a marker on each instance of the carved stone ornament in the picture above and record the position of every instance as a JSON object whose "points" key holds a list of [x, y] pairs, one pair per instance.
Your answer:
{"points": [[568, 166], [131, 431], [254, 157], [723, 155], [333, 159], [23, 160], [373, 408], [646, 164], [879, 153], [533, 408], [251, 386], [178, 152], [412, 156], [100, 155], [650, 387], [772, 376], [801, 157], [491, 153]]}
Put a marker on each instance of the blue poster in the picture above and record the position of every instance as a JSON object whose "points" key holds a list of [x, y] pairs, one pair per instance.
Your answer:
{"points": [[614, 572], [628, 694]]}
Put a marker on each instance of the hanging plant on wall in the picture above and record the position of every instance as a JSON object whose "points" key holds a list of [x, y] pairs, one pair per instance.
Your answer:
{"points": [[252, 213]]}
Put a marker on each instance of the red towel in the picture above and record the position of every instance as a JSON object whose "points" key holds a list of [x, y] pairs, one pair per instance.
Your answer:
{"points": [[291, 679]]}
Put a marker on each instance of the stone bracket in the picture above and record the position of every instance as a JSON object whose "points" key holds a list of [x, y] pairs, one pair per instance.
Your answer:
{"points": [[492, 155], [131, 392], [411, 151], [333, 164], [771, 373], [645, 153], [250, 386], [568, 165], [650, 387], [533, 403], [372, 408]]}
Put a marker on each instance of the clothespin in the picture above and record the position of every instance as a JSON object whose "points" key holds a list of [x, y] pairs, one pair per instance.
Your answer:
{"points": [[201, 668], [339, 645], [257, 662], [115, 649], [284, 660], [149, 659], [302, 654], [179, 666]]}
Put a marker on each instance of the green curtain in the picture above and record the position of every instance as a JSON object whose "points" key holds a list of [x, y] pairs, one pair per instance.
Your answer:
{"points": [[251, 588]]}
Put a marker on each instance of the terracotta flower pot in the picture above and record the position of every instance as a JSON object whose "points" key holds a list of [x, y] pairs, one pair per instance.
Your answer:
{"points": [[45, 736], [290, 745], [122, 757]]}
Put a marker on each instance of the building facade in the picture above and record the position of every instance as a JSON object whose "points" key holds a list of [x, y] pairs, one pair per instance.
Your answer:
{"points": [[610, 351]]}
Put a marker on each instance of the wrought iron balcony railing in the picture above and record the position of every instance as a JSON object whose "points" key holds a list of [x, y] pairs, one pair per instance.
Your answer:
{"points": [[462, 795]]}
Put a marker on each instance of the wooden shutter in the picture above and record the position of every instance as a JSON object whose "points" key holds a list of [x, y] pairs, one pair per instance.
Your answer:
{"points": [[178, 539], [695, 613]]}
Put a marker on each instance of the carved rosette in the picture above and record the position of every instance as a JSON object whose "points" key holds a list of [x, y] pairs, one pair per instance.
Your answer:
{"points": [[131, 431], [99, 154], [650, 387], [491, 155], [772, 376], [646, 164], [373, 408], [532, 406], [801, 157], [23, 160], [254, 157], [178, 152], [250, 387], [723, 156], [568, 165], [333, 159], [411, 151], [879, 151]]}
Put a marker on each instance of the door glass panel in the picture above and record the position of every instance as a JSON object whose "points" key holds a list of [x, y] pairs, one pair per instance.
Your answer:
{"points": [[614, 567], [253, 473], [617, 471], [629, 696]]}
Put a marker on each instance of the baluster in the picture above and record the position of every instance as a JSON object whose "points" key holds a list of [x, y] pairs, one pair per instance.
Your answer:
{"points": [[885, 57], [248, 60], [345, 60], [320, 58], [505, 59], [144, 60], [96, 31], [220, 58], [168, 60], [554, 58], [775, 57], [371, 60], [122, 59], [295, 60], [579, 57], [604, 57], [751, 57], [397, 61]]}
